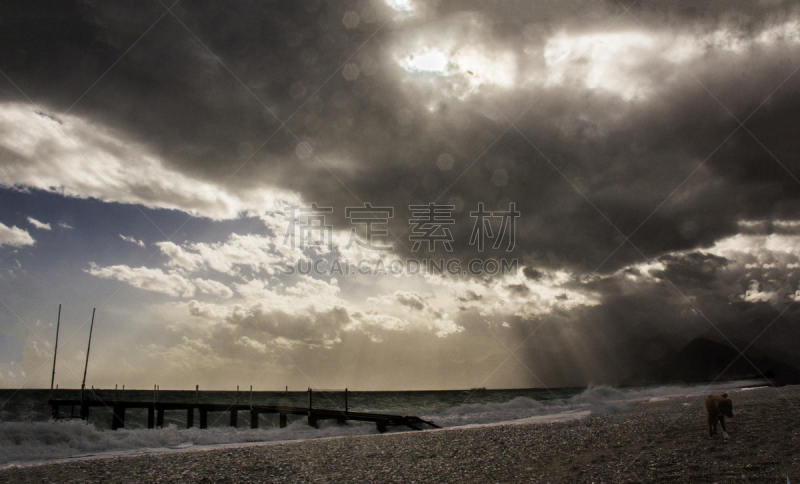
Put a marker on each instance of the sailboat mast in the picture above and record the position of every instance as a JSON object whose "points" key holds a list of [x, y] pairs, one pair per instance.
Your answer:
{"points": [[88, 348], [55, 350]]}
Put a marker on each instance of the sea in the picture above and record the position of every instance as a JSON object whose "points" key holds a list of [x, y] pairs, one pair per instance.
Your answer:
{"points": [[29, 435]]}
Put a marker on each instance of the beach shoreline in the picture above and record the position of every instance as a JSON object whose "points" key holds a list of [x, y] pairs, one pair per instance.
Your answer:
{"points": [[182, 448], [655, 441]]}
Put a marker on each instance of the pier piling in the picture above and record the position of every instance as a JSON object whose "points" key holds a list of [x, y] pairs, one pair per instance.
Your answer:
{"points": [[156, 409], [118, 419], [203, 418], [234, 410], [382, 424], [234, 417], [253, 419]]}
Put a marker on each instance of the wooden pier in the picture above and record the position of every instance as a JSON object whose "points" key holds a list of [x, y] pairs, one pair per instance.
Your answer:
{"points": [[156, 409], [155, 413]]}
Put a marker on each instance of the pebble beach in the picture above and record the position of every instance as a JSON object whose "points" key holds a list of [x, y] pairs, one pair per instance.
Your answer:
{"points": [[657, 441]]}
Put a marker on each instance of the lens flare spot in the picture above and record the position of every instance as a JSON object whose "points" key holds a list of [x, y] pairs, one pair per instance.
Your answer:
{"points": [[400, 5], [435, 62]]}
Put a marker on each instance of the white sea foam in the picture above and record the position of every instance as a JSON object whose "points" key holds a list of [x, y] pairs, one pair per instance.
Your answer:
{"points": [[593, 400], [28, 443]]}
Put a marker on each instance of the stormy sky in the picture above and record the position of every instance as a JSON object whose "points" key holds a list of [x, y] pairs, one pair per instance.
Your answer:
{"points": [[149, 152]]}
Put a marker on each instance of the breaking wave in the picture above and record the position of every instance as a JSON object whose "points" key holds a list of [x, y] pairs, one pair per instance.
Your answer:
{"points": [[31, 442], [592, 401]]}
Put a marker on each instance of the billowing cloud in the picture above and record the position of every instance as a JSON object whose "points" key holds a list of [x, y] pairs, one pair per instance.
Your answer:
{"points": [[38, 225], [58, 157], [410, 299], [212, 287], [451, 81], [156, 280], [178, 257], [255, 252], [132, 240], [14, 236], [648, 213]]}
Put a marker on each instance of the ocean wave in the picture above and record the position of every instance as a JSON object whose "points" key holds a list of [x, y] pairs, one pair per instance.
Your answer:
{"points": [[594, 400], [31, 442]]}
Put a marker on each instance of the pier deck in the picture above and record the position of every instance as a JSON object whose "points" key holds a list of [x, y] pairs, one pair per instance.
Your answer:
{"points": [[155, 413]]}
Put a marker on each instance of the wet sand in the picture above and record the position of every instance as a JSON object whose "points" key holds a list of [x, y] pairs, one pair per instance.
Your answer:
{"points": [[662, 441]]}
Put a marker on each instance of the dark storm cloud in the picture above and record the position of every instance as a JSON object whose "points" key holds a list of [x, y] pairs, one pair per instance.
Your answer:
{"points": [[520, 289], [642, 320], [695, 269], [532, 273], [380, 134]]}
